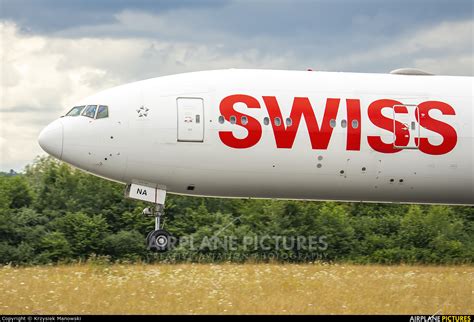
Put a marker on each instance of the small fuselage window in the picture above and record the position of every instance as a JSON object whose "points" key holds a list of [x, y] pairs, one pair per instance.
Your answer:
{"points": [[75, 111], [102, 112], [355, 124], [90, 111]]}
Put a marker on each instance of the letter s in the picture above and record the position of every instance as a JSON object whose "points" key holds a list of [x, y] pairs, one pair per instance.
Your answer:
{"points": [[448, 133], [253, 126], [379, 120]]}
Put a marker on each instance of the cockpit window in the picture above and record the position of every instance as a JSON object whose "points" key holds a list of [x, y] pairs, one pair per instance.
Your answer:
{"points": [[75, 111], [103, 112], [90, 111]]}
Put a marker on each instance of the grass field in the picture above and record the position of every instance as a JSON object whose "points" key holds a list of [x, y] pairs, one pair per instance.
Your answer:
{"points": [[231, 288]]}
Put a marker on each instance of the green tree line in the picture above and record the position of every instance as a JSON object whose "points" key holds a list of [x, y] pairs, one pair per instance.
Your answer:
{"points": [[54, 213]]}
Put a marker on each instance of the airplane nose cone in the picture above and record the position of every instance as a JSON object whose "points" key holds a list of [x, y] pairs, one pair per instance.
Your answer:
{"points": [[51, 139]]}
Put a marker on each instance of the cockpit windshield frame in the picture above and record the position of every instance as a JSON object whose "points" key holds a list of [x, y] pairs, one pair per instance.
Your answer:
{"points": [[102, 112], [94, 111], [75, 111], [90, 111]]}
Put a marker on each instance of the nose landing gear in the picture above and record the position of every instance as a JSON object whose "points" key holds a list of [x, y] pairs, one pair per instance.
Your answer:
{"points": [[158, 240]]}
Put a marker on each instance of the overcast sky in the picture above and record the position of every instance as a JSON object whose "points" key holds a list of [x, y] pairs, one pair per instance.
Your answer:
{"points": [[54, 52]]}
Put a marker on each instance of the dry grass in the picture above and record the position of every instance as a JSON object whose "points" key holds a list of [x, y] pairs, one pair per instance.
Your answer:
{"points": [[229, 288]]}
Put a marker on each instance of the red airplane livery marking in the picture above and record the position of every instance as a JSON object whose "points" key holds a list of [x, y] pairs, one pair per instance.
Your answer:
{"points": [[320, 135]]}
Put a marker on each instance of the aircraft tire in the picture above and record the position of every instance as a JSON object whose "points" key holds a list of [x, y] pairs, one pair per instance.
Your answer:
{"points": [[158, 240]]}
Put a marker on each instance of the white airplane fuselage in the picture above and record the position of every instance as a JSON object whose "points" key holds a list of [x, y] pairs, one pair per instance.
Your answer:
{"points": [[281, 134]]}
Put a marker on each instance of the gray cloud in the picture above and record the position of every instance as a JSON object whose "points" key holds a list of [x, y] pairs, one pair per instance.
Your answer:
{"points": [[51, 16], [311, 31], [284, 19]]}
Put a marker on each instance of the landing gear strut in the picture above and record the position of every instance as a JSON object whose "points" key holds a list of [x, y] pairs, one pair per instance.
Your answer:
{"points": [[158, 240]]}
